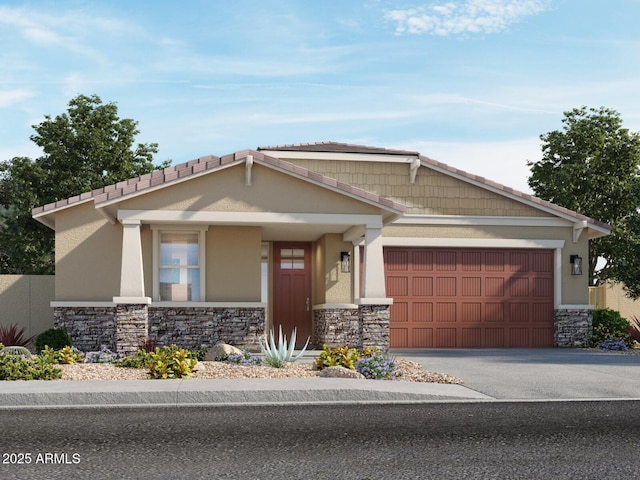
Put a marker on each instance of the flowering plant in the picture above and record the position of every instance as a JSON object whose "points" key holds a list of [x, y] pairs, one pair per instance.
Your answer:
{"points": [[104, 355], [377, 367], [245, 358], [613, 344]]}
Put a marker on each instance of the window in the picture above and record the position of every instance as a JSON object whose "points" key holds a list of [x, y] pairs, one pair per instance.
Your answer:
{"points": [[178, 265], [292, 258]]}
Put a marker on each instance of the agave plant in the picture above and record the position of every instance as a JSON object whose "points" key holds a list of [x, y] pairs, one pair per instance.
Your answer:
{"points": [[276, 356]]}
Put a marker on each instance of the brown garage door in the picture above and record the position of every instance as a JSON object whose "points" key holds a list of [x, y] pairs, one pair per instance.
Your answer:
{"points": [[470, 297]]}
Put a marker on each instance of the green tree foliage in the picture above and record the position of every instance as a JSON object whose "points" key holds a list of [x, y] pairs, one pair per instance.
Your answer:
{"points": [[85, 148], [591, 166]]}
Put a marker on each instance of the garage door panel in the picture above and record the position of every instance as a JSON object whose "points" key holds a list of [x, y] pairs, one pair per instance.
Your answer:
{"points": [[471, 286], [519, 262], [422, 312], [494, 337], [470, 297], [472, 261], [519, 287], [446, 338], [494, 312], [518, 337], [422, 286], [422, 260], [446, 287], [445, 312], [494, 287], [446, 261], [471, 337], [471, 312], [422, 338], [519, 313], [543, 287], [399, 337], [399, 311], [397, 286]]}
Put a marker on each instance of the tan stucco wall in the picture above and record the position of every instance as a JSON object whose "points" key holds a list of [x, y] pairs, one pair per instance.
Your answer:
{"points": [[233, 269], [332, 285], [225, 191], [433, 193], [88, 255], [25, 301], [574, 287], [616, 299]]}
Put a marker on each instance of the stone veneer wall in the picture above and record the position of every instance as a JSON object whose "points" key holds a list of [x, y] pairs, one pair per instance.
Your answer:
{"points": [[197, 327], [89, 327], [573, 327], [367, 325], [123, 327], [132, 326]]}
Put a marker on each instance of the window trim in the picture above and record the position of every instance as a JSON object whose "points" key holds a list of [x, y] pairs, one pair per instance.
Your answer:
{"points": [[199, 230]]}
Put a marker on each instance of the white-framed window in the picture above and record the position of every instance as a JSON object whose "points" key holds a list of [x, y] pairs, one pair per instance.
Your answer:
{"points": [[179, 263]]}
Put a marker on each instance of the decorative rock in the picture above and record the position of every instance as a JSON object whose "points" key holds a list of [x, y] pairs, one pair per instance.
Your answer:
{"points": [[340, 372], [219, 350]]}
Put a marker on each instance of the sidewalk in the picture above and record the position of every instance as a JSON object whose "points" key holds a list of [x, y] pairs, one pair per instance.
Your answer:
{"points": [[57, 393]]}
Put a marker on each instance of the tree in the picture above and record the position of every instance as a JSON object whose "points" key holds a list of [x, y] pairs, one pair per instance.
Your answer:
{"points": [[592, 167], [86, 148]]}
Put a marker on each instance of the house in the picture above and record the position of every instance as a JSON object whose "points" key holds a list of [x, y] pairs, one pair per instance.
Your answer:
{"points": [[349, 244]]}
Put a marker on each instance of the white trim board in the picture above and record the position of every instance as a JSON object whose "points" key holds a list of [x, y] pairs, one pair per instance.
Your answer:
{"points": [[471, 242]]}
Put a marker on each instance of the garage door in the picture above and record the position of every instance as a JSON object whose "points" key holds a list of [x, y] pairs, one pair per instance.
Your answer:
{"points": [[469, 297]]}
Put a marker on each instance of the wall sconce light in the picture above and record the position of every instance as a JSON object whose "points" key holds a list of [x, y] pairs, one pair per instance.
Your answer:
{"points": [[345, 262], [576, 264]]}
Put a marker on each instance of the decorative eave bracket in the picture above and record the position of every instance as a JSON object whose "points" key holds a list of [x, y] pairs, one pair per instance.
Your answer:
{"points": [[415, 164], [248, 165], [578, 227]]}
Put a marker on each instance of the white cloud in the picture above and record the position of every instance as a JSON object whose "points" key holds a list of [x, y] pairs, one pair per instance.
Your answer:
{"points": [[503, 162], [471, 16], [11, 97]]}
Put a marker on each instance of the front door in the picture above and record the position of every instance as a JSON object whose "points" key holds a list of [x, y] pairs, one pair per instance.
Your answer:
{"points": [[292, 289]]}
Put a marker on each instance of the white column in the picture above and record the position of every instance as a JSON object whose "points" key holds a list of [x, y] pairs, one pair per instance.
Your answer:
{"points": [[131, 270], [373, 284]]}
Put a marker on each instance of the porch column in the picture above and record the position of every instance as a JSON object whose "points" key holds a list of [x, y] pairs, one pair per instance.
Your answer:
{"points": [[131, 271], [373, 285]]}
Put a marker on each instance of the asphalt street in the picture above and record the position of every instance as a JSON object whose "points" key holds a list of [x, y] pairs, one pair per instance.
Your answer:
{"points": [[486, 440]]}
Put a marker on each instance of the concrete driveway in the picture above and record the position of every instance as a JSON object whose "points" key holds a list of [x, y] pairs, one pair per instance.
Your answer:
{"points": [[543, 373]]}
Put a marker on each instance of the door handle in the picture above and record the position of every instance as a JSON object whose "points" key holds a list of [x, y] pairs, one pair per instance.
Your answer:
{"points": [[307, 304]]}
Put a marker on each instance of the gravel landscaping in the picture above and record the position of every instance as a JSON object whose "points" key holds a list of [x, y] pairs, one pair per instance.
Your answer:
{"points": [[411, 372]]}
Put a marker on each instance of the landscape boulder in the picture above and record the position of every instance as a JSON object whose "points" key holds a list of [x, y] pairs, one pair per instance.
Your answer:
{"points": [[221, 350]]}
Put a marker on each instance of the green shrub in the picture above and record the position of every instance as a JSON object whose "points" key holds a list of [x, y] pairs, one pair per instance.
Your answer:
{"points": [[378, 366], [610, 325], [16, 367], [56, 338], [171, 362], [66, 355], [137, 360], [343, 356]]}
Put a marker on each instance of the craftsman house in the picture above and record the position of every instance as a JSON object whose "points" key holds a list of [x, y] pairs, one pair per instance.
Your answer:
{"points": [[349, 244]]}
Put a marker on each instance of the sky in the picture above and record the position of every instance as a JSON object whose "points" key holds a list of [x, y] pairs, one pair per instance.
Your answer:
{"points": [[471, 83]]}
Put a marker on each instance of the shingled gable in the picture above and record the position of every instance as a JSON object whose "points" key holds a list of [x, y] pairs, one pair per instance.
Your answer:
{"points": [[202, 166], [598, 228]]}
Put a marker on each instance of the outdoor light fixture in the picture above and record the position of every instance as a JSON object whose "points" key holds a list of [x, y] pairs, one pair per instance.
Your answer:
{"points": [[345, 262], [576, 264]]}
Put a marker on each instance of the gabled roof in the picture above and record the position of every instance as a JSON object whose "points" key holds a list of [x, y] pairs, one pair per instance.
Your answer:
{"points": [[335, 147], [204, 165], [447, 170], [201, 166]]}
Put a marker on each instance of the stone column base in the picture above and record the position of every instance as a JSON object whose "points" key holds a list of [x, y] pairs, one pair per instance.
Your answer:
{"points": [[573, 327]]}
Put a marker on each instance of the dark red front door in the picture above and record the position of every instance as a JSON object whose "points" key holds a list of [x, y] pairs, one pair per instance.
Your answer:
{"points": [[292, 289]]}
